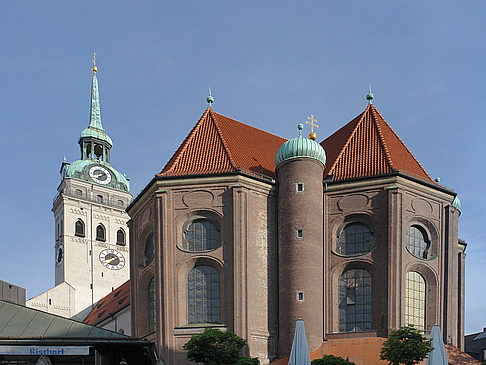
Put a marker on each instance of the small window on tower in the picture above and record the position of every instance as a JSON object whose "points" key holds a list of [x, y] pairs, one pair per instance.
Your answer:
{"points": [[300, 296], [299, 187], [300, 233], [79, 192], [120, 237], [99, 198], [100, 233], [120, 203], [79, 228]]}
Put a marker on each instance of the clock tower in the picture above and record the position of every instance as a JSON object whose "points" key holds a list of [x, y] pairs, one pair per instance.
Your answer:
{"points": [[91, 232]]}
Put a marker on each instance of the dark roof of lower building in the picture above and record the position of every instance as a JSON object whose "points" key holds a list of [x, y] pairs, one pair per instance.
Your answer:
{"points": [[22, 323]]}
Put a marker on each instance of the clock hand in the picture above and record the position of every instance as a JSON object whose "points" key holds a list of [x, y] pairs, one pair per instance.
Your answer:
{"points": [[110, 260]]}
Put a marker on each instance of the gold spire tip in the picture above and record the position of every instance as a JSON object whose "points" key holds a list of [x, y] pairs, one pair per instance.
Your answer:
{"points": [[94, 68], [313, 124]]}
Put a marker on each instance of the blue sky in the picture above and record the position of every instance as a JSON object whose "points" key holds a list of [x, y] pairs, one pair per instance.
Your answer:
{"points": [[269, 64]]}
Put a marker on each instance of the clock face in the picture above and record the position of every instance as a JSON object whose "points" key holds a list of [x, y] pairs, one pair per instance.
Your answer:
{"points": [[100, 175], [112, 259], [59, 255]]}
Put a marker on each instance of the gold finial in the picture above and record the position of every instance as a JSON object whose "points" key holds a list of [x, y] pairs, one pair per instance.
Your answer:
{"points": [[312, 123], [95, 69]]}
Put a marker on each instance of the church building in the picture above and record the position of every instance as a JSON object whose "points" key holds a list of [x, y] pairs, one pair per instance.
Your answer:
{"points": [[91, 232], [246, 231]]}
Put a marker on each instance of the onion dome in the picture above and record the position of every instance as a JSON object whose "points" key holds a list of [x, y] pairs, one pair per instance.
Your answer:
{"points": [[456, 203], [300, 147]]}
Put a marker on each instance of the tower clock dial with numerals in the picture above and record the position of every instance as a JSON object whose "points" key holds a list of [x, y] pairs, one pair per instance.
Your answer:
{"points": [[100, 175], [112, 259]]}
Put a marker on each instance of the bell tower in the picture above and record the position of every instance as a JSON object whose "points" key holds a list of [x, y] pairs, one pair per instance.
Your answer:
{"points": [[91, 232]]}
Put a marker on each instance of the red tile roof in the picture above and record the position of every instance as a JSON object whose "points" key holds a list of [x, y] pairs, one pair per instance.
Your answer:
{"points": [[219, 144], [114, 302], [368, 146]]}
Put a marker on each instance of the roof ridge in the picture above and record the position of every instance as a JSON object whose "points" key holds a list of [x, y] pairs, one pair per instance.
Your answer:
{"points": [[223, 141], [401, 141], [348, 141], [382, 138], [180, 151], [248, 125]]}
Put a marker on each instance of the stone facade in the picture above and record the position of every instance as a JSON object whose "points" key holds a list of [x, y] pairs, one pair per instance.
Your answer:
{"points": [[280, 256]]}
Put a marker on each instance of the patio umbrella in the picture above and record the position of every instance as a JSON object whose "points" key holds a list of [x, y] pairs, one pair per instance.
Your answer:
{"points": [[438, 355], [299, 355]]}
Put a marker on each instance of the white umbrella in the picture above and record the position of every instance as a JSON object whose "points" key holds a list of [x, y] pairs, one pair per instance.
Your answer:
{"points": [[438, 355], [299, 355]]}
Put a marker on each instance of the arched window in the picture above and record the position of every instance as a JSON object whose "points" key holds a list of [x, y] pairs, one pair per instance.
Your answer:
{"points": [[201, 235], [415, 300], [99, 199], [418, 243], [79, 228], [355, 297], [151, 306], [354, 239], [100, 233], [203, 295], [120, 237], [149, 249]]}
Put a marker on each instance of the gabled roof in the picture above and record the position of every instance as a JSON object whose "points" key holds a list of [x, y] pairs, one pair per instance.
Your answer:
{"points": [[218, 144], [18, 322], [368, 146], [109, 305]]}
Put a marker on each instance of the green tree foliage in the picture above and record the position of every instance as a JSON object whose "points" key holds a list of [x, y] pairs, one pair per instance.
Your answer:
{"points": [[215, 347], [407, 345], [331, 360]]}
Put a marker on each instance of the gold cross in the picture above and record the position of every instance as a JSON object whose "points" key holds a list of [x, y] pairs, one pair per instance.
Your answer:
{"points": [[94, 58], [312, 124]]}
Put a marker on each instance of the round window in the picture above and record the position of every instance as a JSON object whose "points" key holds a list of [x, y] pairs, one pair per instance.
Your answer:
{"points": [[355, 239], [201, 235]]}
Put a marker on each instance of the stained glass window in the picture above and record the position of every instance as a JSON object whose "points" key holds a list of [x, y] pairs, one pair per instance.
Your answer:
{"points": [[417, 241], [201, 235], [149, 249], [355, 297], [415, 300], [354, 239], [151, 305], [203, 295]]}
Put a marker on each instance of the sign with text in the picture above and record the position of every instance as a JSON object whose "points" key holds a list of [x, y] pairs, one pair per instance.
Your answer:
{"points": [[44, 350]]}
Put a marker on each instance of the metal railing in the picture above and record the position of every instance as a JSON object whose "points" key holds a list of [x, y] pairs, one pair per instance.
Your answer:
{"points": [[91, 196]]}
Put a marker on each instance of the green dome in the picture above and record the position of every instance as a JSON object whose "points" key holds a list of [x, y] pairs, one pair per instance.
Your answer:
{"points": [[300, 147], [80, 170], [456, 203], [96, 133]]}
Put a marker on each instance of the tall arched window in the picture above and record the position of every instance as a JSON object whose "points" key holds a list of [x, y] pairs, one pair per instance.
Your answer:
{"points": [[203, 295], [79, 228], [149, 249], [354, 239], [415, 300], [100, 233], [355, 297], [151, 306], [120, 237], [418, 243], [201, 235]]}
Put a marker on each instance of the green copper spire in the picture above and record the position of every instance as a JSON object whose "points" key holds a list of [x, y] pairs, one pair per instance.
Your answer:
{"points": [[95, 115], [95, 129]]}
